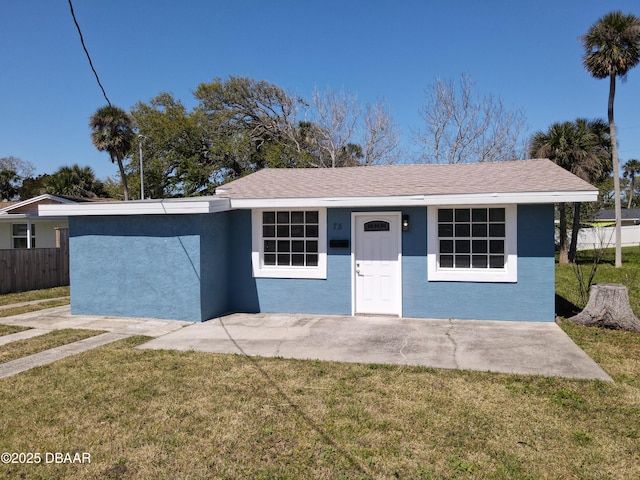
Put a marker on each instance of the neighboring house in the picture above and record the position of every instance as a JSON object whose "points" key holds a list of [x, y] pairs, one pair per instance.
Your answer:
{"points": [[630, 216], [601, 232], [22, 227], [469, 241]]}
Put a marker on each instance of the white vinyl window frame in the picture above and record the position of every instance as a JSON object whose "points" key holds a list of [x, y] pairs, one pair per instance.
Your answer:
{"points": [[508, 274], [23, 233], [262, 270]]}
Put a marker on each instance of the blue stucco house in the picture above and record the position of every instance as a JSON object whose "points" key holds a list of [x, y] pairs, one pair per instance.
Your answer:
{"points": [[470, 241]]}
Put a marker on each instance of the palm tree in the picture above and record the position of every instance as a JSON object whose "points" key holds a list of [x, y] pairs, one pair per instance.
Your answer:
{"points": [[612, 48], [582, 148], [112, 132], [74, 181], [631, 169]]}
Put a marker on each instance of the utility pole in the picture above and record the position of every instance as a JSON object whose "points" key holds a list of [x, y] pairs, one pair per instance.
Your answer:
{"points": [[140, 140]]}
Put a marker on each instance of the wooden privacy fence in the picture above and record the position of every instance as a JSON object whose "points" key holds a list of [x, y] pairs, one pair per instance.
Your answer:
{"points": [[34, 268]]}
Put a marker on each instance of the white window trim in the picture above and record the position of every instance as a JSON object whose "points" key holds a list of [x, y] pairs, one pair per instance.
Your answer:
{"points": [[507, 275], [29, 236], [257, 248]]}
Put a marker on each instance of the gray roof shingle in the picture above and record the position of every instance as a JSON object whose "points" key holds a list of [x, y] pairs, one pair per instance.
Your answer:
{"points": [[626, 214], [522, 176]]}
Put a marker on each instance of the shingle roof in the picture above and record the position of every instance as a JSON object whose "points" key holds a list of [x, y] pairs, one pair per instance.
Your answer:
{"points": [[523, 176], [627, 214]]}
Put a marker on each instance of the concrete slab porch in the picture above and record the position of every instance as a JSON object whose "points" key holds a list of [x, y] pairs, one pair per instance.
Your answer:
{"points": [[539, 348]]}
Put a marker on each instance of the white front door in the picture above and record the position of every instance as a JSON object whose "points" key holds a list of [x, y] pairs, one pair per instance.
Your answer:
{"points": [[377, 275]]}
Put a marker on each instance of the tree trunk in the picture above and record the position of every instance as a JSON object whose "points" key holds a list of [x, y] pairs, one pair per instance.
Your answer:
{"points": [[616, 172], [575, 232], [608, 307], [123, 176], [563, 255]]}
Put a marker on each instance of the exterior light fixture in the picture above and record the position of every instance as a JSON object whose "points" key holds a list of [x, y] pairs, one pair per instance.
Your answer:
{"points": [[405, 223]]}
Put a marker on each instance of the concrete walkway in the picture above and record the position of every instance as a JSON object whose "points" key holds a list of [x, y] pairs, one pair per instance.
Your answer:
{"points": [[45, 321], [540, 348], [45, 357], [60, 317]]}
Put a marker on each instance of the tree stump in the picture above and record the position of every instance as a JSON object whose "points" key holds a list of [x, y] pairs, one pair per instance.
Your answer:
{"points": [[608, 307]]}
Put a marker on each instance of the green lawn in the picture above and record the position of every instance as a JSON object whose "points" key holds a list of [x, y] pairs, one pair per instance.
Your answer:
{"points": [[10, 298], [56, 338], [162, 414], [144, 414], [628, 275], [9, 329], [54, 297]]}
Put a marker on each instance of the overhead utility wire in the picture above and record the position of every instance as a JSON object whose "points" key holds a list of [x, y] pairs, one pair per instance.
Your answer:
{"points": [[88, 56]]}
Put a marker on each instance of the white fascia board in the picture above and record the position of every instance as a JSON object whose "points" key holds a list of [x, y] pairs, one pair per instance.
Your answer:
{"points": [[32, 218], [418, 200], [39, 198], [9, 217], [140, 207]]}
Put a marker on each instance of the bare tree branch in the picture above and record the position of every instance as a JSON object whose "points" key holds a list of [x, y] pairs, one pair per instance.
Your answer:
{"points": [[461, 127], [337, 116], [380, 137]]}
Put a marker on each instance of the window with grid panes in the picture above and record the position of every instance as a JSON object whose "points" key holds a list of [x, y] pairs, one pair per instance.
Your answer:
{"points": [[471, 238], [290, 238]]}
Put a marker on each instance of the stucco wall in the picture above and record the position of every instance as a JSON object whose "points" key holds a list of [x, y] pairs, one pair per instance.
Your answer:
{"points": [[331, 296], [195, 267], [148, 266], [214, 265], [530, 299]]}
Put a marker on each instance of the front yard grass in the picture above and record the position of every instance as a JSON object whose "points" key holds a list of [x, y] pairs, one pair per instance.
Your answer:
{"points": [[165, 414], [628, 275], [55, 338], [45, 293], [9, 329], [9, 312], [53, 297]]}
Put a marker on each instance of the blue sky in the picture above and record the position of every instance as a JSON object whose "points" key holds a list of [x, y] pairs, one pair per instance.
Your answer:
{"points": [[526, 52]]}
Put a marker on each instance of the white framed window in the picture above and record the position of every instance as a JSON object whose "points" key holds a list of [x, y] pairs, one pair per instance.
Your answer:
{"points": [[289, 243], [472, 243], [23, 236]]}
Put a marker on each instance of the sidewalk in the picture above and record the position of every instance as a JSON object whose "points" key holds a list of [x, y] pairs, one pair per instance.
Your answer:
{"points": [[45, 357], [60, 317], [47, 320]]}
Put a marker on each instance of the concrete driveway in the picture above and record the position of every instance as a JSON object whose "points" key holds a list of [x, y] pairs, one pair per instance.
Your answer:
{"points": [[540, 348]]}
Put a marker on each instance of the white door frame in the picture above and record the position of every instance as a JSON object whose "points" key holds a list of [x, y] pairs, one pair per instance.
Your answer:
{"points": [[398, 226]]}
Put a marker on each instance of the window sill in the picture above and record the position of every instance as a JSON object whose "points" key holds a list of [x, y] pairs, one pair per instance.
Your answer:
{"points": [[500, 276], [275, 272]]}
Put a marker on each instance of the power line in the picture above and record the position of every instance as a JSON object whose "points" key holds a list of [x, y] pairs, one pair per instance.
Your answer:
{"points": [[88, 56]]}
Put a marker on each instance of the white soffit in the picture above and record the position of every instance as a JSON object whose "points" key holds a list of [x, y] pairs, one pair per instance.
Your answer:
{"points": [[419, 200], [138, 207], [195, 205]]}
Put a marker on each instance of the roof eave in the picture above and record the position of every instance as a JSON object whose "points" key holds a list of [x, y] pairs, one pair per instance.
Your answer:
{"points": [[419, 200], [193, 205], [197, 205], [39, 198]]}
